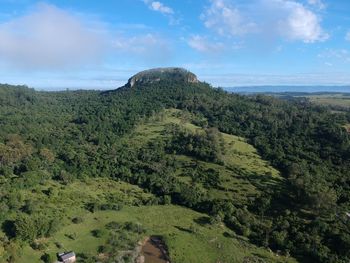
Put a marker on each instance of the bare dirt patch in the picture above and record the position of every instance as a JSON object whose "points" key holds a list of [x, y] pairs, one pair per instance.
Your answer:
{"points": [[153, 251]]}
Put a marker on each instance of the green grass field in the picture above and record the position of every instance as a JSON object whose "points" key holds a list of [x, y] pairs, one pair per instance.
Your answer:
{"points": [[188, 238], [331, 100]]}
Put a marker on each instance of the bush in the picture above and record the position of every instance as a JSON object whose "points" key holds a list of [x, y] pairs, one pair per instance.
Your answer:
{"points": [[113, 225], [92, 207], [134, 227], [58, 245], [97, 233], [110, 206], [167, 200], [47, 258], [77, 220], [38, 245], [28, 228], [102, 249]]}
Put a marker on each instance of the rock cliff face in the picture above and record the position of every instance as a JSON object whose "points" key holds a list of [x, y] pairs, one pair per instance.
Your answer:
{"points": [[158, 74]]}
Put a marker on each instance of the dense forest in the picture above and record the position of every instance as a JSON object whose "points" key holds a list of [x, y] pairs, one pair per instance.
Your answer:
{"points": [[69, 136]]}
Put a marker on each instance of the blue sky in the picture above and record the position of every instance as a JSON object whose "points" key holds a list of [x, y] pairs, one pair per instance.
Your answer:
{"points": [[100, 44]]}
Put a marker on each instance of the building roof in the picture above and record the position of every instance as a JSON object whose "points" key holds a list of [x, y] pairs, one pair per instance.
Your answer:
{"points": [[67, 255]]}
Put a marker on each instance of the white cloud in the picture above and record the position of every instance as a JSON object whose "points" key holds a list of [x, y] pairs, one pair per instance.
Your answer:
{"points": [[347, 36], [318, 3], [167, 11], [202, 44], [300, 23], [224, 18], [49, 38], [337, 55], [146, 46], [159, 7], [286, 19]]}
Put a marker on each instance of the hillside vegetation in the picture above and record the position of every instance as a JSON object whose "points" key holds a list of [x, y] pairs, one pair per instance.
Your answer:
{"points": [[242, 173], [334, 100], [233, 171]]}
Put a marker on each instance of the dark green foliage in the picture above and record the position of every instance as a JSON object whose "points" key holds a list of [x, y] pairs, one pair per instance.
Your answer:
{"points": [[69, 136], [48, 258], [209, 177], [113, 226], [38, 245], [97, 233], [28, 228], [206, 147], [134, 227], [77, 220]]}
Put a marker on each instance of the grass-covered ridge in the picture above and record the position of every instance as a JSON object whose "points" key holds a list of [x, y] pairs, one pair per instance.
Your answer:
{"points": [[243, 173]]}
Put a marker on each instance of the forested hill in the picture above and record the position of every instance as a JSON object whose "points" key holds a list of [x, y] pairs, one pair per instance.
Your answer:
{"points": [[49, 138]]}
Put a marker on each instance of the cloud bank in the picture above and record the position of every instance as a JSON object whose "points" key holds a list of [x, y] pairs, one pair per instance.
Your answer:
{"points": [[286, 19], [49, 38]]}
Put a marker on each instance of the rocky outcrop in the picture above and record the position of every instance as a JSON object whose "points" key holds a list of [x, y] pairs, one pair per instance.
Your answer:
{"points": [[158, 74]]}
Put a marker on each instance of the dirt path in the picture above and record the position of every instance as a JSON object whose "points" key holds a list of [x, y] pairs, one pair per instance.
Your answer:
{"points": [[153, 251]]}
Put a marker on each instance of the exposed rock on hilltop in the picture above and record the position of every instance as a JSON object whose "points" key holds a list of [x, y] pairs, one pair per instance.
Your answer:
{"points": [[158, 74]]}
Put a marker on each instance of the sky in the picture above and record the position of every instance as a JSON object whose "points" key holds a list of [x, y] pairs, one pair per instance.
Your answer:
{"points": [[80, 44]]}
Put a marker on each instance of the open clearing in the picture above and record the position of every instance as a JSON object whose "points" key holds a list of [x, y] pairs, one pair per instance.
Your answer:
{"points": [[188, 237], [339, 100]]}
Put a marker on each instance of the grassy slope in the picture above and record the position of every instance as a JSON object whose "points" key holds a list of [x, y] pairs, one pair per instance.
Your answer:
{"points": [[244, 174], [188, 237], [208, 243]]}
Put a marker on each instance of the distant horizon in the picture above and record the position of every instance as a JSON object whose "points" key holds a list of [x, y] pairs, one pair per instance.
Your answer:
{"points": [[234, 89], [290, 89]]}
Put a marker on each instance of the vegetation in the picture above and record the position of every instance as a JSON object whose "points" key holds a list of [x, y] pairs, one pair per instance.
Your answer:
{"points": [[340, 101], [81, 158]]}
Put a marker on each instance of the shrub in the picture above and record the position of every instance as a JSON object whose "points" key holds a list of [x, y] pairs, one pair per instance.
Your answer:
{"points": [[47, 258], [102, 249], [134, 227], [58, 245], [113, 225], [97, 233], [38, 245], [77, 220]]}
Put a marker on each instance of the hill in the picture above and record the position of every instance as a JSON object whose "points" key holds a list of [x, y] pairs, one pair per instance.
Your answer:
{"points": [[160, 74], [240, 175]]}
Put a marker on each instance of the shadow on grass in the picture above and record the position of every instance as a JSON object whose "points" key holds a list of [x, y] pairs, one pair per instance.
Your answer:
{"points": [[203, 220], [183, 229], [8, 227]]}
